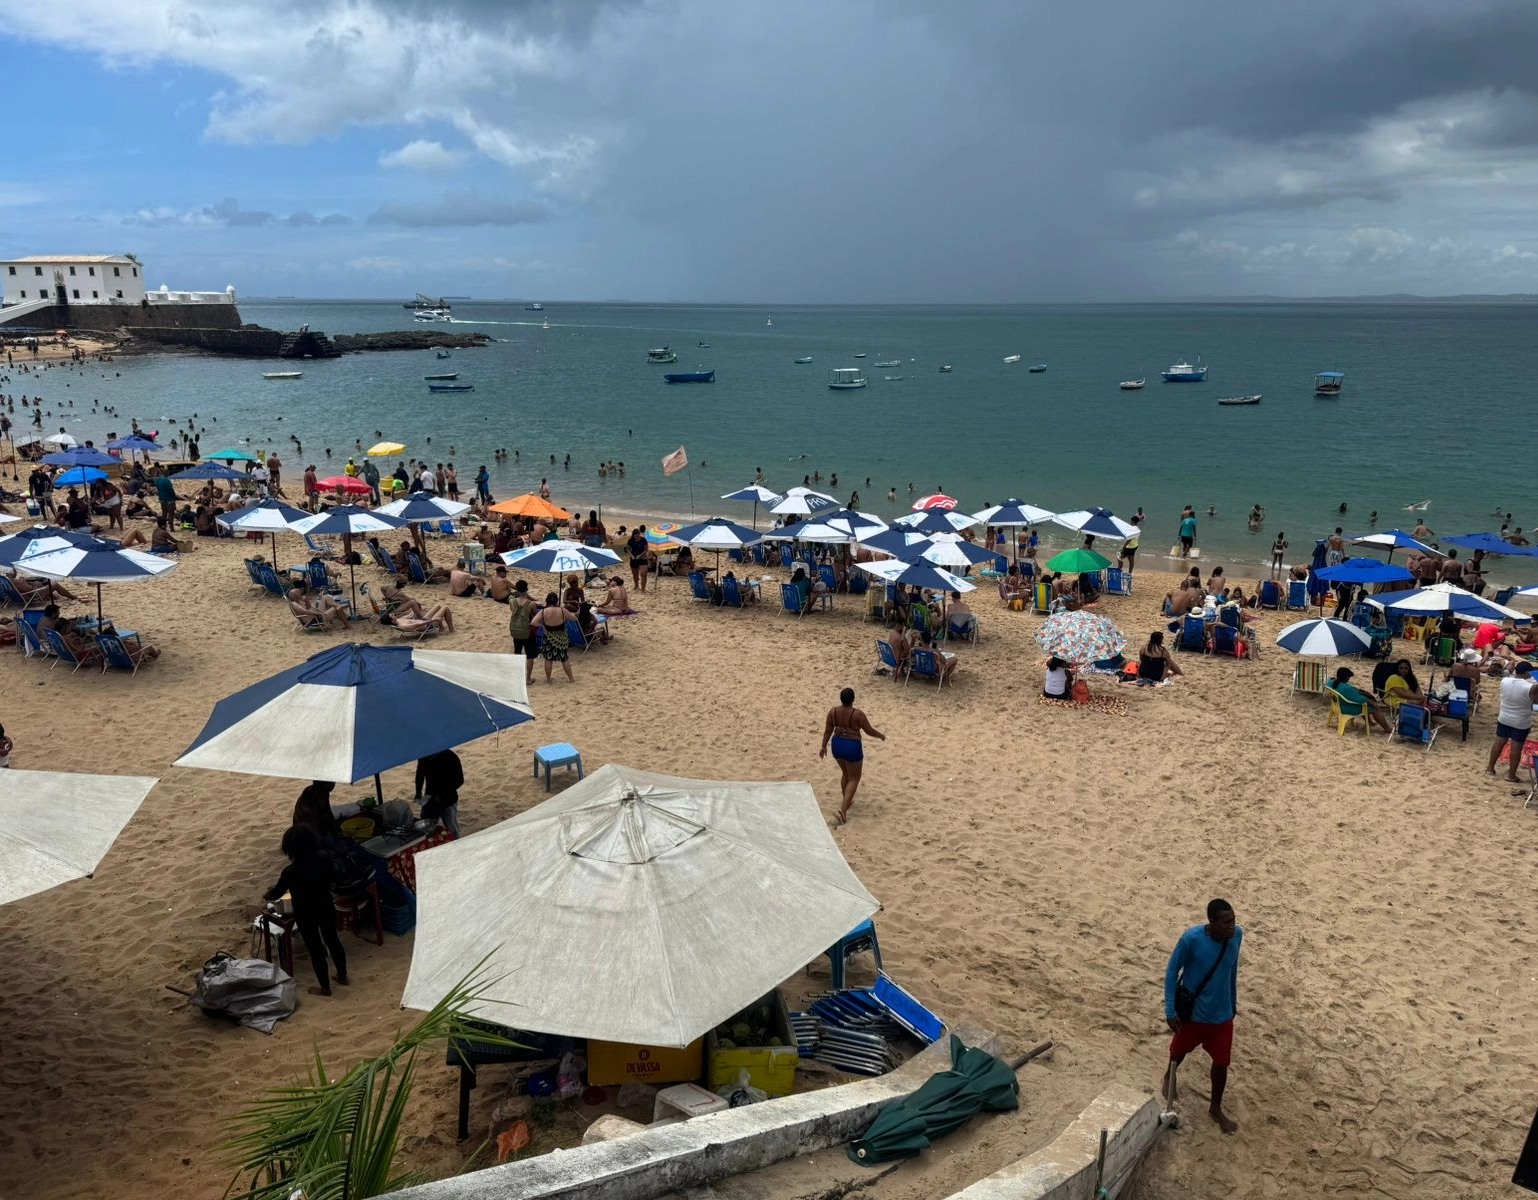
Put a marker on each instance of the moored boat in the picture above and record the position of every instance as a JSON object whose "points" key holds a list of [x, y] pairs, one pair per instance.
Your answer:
{"points": [[662, 354], [1132, 385], [691, 377], [1184, 372], [1012, 358], [843, 379], [534, 307], [449, 375], [891, 362], [807, 359], [451, 387], [946, 368], [444, 354], [1255, 399], [1329, 383], [282, 374], [1038, 368], [860, 355]]}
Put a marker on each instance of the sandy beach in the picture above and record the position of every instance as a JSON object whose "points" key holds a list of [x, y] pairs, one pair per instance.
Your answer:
{"points": [[1036, 867]]}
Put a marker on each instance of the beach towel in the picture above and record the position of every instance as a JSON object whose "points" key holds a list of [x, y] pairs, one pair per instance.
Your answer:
{"points": [[1108, 706]]}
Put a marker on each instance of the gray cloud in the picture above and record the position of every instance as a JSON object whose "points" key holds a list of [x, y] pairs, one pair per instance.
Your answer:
{"points": [[228, 213], [461, 208]]}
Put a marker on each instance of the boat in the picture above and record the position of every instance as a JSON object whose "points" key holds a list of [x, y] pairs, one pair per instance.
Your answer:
{"points": [[946, 368], [1132, 385], [1012, 358], [844, 378], [1184, 372], [1329, 383], [432, 314], [770, 321], [1038, 368], [282, 374], [807, 359], [444, 354], [546, 325], [1255, 399], [450, 375], [691, 377], [860, 355], [422, 302], [535, 307], [662, 354], [451, 387], [896, 362], [893, 378]]}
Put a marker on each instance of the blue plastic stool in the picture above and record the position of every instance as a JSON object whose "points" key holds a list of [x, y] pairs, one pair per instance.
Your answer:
{"points": [[562, 754], [861, 938]]}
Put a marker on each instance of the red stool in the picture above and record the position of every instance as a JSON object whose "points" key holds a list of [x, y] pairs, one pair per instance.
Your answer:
{"points": [[350, 908]]}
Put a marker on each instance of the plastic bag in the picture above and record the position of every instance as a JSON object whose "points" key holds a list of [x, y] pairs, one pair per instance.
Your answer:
{"points": [[634, 1095], [568, 1076], [741, 1091]]}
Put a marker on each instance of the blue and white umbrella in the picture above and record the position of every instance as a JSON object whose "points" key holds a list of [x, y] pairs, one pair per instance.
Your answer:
{"points": [[80, 456], [1096, 522], [1323, 638], [802, 502], [40, 539], [557, 557], [422, 508], [716, 534], [265, 516], [210, 470], [1446, 597], [348, 520], [78, 477], [1490, 543], [1013, 513], [901, 543], [951, 550], [850, 523], [757, 494], [1394, 539], [917, 574], [134, 442], [102, 563], [1366, 571], [357, 710], [935, 520]]}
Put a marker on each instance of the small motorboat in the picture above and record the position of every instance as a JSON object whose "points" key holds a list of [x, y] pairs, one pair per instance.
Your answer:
{"points": [[845, 378], [807, 359], [662, 354], [432, 314], [282, 374], [770, 321], [1184, 372], [444, 354], [691, 377], [449, 375], [860, 355], [893, 378], [703, 345], [451, 387], [1132, 385], [1329, 383], [946, 368], [1038, 368], [1255, 399], [546, 325], [1012, 358], [895, 362]]}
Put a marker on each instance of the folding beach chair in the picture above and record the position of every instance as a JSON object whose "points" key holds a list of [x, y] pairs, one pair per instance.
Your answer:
{"points": [[698, 588], [1307, 677], [255, 574], [382, 560], [62, 652], [1192, 635], [829, 578], [317, 575], [414, 567], [1297, 595], [1270, 594], [790, 600], [1118, 582], [1042, 594], [10, 594], [1414, 725], [924, 664], [575, 637], [731, 594], [28, 638], [889, 660], [1225, 640], [760, 555], [118, 653], [321, 544], [269, 577], [857, 584]]}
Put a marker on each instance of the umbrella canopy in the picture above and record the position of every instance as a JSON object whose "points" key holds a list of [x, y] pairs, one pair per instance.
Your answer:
{"points": [[80, 456], [557, 557], [40, 539], [1365, 570], [1076, 561], [7, 519], [753, 492], [716, 534], [935, 520], [348, 518], [134, 442], [1096, 522], [977, 1082], [345, 483], [684, 900], [950, 550], [531, 504], [917, 574], [60, 439], [938, 500], [423, 507], [265, 516], [385, 449], [1323, 638], [210, 470], [903, 543], [661, 533], [1080, 637], [1490, 543], [849, 522], [1445, 597], [55, 826], [356, 710], [78, 477], [801, 502], [1394, 539], [98, 564], [1013, 512], [232, 455]]}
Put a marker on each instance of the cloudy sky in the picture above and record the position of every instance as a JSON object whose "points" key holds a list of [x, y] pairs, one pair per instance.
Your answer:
{"points": [[793, 150]]}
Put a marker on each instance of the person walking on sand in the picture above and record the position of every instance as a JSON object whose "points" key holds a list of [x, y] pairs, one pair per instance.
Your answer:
{"points": [[1515, 720], [1201, 997], [843, 727]]}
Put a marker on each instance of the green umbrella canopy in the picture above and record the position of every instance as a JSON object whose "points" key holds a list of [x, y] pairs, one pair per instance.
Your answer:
{"points": [[977, 1082], [226, 456], [1075, 561]]}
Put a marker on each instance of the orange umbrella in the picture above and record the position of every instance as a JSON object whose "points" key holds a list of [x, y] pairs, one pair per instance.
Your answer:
{"points": [[531, 505]]}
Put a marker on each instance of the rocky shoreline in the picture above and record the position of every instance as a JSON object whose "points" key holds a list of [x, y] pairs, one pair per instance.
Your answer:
{"points": [[256, 341], [408, 339]]}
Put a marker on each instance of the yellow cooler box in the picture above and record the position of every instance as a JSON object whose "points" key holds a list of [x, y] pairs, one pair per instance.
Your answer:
{"points": [[620, 1062], [758, 1040]]}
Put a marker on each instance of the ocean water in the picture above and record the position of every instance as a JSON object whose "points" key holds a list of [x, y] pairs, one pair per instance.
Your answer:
{"points": [[1433, 408]]}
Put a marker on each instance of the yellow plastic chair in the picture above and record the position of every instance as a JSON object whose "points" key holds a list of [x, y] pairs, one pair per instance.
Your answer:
{"points": [[1340, 717]]}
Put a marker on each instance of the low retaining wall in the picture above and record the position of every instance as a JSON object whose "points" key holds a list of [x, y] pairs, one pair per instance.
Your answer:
{"points": [[251, 342], [702, 1150], [109, 318]]}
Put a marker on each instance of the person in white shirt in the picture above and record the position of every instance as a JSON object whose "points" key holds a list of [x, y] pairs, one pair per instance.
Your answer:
{"points": [[1515, 720], [428, 480]]}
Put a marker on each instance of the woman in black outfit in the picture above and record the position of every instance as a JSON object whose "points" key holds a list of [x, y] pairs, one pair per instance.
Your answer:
{"points": [[307, 880]]}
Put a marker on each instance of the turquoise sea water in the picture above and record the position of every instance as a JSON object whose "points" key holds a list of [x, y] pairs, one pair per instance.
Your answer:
{"points": [[1433, 407]]}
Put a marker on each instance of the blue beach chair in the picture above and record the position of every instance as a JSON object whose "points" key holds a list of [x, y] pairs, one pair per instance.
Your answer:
{"points": [[889, 660], [1414, 725], [1225, 640], [698, 588], [1192, 635], [30, 641], [926, 665], [270, 580], [791, 599], [1118, 582], [1270, 594], [119, 654], [575, 637], [829, 579], [1297, 595], [731, 594], [10, 594], [62, 652], [414, 567]]}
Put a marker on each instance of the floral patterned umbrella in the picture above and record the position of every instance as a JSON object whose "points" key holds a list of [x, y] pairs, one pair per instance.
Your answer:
{"points": [[1080, 637]]}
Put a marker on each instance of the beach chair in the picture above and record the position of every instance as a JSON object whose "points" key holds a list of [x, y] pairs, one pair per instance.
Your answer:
{"points": [[1042, 598], [918, 616], [875, 605], [474, 555], [790, 600], [62, 652], [1505, 594], [270, 580], [414, 567], [322, 544], [575, 637], [698, 588], [1307, 677], [1343, 712], [28, 638], [889, 660], [857, 584], [760, 555], [1297, 595], [307, 622], [1225, 640], [118, 653], [1229, 615], [1270, 594], [1118, 582], [829, 578], [317, 575], [731, 594], [1192, 635], [446, 528], [430, 629], [966, 631], [382, 560], [1441, 650], [926, 665], [10, 594], [255, 575], [1414, 725]]}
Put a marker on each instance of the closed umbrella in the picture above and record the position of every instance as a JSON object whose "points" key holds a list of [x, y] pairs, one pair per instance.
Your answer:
{"points": [[103, 563], [348, 520], [1323, 638], [357, 710], [56, 826], [1080, 637], [684, 901]]}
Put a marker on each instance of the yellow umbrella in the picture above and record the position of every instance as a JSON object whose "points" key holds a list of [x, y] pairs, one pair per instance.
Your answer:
{"points": [[384, 449]]}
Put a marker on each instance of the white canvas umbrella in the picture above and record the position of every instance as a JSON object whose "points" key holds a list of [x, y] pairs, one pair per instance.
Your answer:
{"points": [[1445, 597], [56, 826], [634, 907], [60, 439]]}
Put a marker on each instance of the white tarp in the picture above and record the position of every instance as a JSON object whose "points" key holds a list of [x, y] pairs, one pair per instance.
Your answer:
{"points": [[635, 907], [56, 826]]}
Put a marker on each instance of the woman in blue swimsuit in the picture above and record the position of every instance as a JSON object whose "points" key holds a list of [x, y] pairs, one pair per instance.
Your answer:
{"points": [[843, 727]]}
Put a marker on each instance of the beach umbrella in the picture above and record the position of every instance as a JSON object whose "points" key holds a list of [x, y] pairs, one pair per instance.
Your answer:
{"points": [[7, 519], [1446, 597], [716, 534], [344, 484], [423, 507], [1077, 561], [1096, 522], [232, 455], [1490, 543], [80, 456], [1080, 637], [97, 564], [134, 443], [557, 557], [757, 494], [60, 439], [1013, 512], [977, 1082], [685, 901], [357, 710], [938, 500], [917, 574], [265, 516], [210, 470], [902, 543], [951, 550], [1323, 638], [1365, 571], [39, 539], [348, 520], [531, 504], [1393, 539], [935, 520], [850, 522], [78, 477], [660, 533], [802, 502], [385, 449], [56, 826]]}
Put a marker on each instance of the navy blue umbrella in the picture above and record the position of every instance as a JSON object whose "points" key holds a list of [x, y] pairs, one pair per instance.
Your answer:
{"points": [[134, 442], [210, 470], [1323, 638], [1365, 570], [1490, 543], [80, 456], [19, 545]]}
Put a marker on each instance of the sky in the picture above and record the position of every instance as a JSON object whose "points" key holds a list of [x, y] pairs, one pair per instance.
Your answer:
{"points": [[817, 151]]}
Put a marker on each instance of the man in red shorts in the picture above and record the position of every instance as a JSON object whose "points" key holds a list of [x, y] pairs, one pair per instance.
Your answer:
{"points": [[1201, 996]]}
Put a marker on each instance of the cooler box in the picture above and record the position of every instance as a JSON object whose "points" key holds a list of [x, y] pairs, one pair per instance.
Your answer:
{"points": [[619, 1062], [771, 1069]]}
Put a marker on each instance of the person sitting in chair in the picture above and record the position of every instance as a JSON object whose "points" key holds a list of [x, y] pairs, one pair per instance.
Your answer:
{"points": [[1351, 695], [592, 628], [963, 621], [324, 610]]}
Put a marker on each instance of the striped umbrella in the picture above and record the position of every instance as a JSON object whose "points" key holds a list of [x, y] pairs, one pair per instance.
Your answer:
{"points": [[1323, 638], [937, 500], [557, 557], [102, 563], [1080, 637], [936, 520]]}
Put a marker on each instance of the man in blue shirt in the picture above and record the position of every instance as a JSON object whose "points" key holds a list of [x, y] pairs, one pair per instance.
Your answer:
{"points": [[1206, 963]]}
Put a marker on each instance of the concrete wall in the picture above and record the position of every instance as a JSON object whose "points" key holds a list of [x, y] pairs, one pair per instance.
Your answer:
{"points": [[250, 343], [111, 317]]}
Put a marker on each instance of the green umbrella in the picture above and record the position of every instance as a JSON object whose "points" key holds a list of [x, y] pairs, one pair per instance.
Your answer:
{"points": [[1077, 561], [975, 1083], [229, 456]]}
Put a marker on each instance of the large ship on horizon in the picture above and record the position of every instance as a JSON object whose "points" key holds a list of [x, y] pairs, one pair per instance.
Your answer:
{"points": [[426, 302]]}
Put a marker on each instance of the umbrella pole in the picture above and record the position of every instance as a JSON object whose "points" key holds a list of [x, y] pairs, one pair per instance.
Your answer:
{"points": [[379, 791], [352, 586], [98, 607]]}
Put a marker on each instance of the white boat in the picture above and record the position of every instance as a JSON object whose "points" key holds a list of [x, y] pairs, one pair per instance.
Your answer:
{"points": [[895, 362], [282, 374], [546, 325], [1132, 385], [946, 368], [1255, 399], [860, 355], [1184, 372], [770, 321], [432, 314], [892, 378], [807, 359], [1013, 358], [662, 354], [843, 379]]}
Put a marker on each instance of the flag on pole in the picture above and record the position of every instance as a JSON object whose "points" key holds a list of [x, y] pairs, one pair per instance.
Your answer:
{"points": [[675, 462]]}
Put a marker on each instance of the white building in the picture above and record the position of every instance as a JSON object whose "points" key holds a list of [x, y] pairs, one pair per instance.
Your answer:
{"points": [[74, 279]]}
